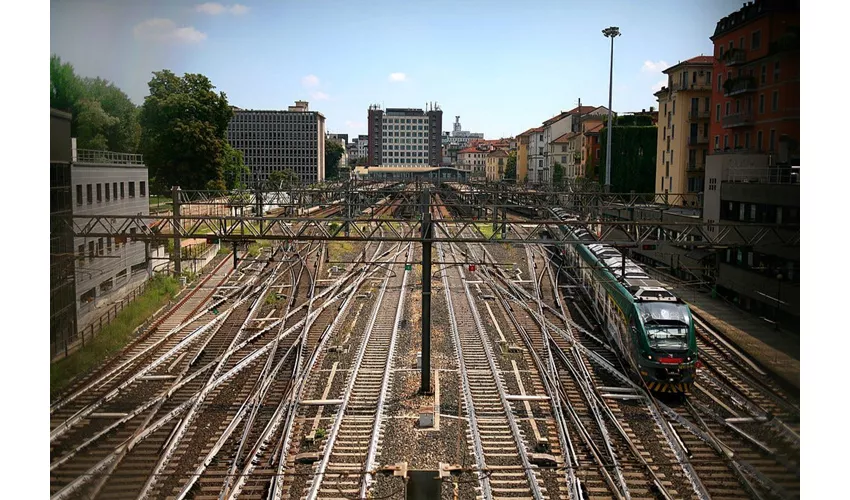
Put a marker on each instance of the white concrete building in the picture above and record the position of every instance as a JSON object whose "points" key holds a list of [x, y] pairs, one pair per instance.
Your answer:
{"points": [[108, 268]]}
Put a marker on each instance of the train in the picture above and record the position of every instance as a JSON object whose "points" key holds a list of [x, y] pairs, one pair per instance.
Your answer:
{"points": [[652, 328]]}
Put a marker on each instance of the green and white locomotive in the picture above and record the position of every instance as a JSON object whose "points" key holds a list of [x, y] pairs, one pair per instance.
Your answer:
{"points": [[651, 327]]}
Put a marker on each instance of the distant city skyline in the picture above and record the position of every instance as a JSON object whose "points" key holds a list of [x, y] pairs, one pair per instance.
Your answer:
{"points": [[499, 65]]}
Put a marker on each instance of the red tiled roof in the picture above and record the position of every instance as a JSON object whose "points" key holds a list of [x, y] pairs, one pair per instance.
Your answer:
{"points": [[497, 152], [584, 110], [693, 60], [595, 128], [701, 60], [470, 149], [531, 131]]}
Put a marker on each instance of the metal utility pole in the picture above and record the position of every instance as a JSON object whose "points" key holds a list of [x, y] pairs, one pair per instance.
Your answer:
{"points": [[611, 33], [425, 387], [175, 213]]}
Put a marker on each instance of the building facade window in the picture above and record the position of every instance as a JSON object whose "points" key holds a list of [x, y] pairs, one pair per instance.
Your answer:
{"points": [[88, 194], [79, 194], [755, 44], [775, 106]]}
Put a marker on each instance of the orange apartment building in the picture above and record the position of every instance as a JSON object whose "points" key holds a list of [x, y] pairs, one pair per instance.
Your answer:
{"points": [[756, 93]]}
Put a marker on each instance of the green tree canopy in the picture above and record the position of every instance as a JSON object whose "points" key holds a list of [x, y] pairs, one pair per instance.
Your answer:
{"points": [[184, 123], [557, 174], [103, 117], [280, 179], [235, 170], [333, 153], [510, 168], [65, 87]]}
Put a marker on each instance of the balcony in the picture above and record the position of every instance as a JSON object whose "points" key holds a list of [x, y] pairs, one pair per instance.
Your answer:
{"points": [[743, 119], [696, 114], [738, 86], [700, 85], [695, 140], [694, 166], [734, 57]]}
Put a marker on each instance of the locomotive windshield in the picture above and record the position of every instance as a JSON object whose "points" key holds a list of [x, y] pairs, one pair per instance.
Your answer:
{"points": [[666, 324]]}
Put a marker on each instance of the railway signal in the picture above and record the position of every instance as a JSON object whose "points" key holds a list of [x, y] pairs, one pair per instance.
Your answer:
{"points": [[472, 267], [408, 267]]}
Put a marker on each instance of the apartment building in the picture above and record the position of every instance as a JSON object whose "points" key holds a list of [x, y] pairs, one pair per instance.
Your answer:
{"points": [[272, 140], [472, 159], [757, 92], [405, 136], [752, 169], [522, 153], [684, 107], [495, 163]]}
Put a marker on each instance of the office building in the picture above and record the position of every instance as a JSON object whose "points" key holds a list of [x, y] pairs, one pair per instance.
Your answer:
{"points": [[273, 140], [405, 136]]}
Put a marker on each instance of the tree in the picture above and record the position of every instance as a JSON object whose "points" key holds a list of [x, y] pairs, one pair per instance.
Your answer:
{"points": [[333, 153], [235, 170], [557, 174], [280, 179], [122, 132], [510, 168], [64, 85], [102, 116], [184, 123]]}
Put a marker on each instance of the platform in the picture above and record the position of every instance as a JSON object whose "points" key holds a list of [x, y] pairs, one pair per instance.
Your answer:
{"points": [[776, 350]]}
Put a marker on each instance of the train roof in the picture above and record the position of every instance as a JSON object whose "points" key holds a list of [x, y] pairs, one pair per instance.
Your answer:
{"points": [[634, 279]]}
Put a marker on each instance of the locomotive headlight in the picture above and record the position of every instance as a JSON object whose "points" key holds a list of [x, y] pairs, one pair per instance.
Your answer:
{"points": [[649, 356]]}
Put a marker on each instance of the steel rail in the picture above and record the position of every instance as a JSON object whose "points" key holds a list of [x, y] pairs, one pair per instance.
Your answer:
{"points": [[388, 373], [550, 379], [318, 475], [61, 403], [183, 343], [506, 405], [171, 446], [478, 449], [132, 441], [276, 487]]}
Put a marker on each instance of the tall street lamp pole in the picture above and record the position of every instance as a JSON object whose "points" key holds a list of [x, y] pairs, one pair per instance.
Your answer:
{"points": [[611, 33]]}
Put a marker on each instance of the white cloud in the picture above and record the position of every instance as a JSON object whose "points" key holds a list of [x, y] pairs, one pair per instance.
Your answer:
{"points": [[310, 81], [654, 67], [164, 30], [657, 86], [398, 77], [319, 95], [215, 9]]}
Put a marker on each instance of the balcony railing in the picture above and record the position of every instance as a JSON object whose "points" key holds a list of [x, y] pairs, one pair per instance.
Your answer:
{"points": [[696, 114], [700, 85], [695, 140], [734, 57], [694, 166], [764, 175], [742, 119], [106, 157], [740, 85]]}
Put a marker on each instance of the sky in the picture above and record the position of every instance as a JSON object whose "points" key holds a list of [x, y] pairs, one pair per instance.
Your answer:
{"points": [[502, 66]]}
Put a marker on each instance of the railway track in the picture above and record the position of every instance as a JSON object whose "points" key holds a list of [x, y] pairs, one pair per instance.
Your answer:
{"points": [[498, 444], [712, 424], [97, 454]]}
